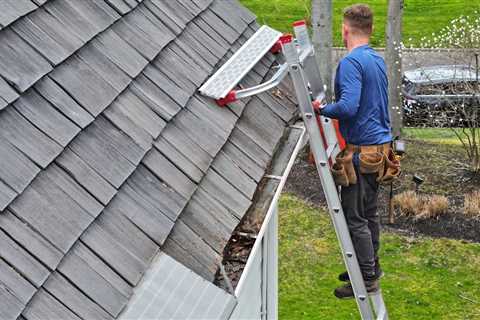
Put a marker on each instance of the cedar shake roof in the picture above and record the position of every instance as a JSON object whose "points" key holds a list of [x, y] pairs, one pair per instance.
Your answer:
{"points": [[110, 158]]}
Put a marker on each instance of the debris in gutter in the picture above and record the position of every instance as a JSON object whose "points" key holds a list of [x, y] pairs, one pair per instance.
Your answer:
{"points": [[246, 235], [238, 249]]}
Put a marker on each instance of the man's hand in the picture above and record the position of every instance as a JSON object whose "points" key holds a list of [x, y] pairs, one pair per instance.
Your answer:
{"points": [[318, 106]]}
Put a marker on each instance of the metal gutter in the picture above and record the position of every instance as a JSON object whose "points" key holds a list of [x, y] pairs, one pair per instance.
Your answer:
{"points": [[272, 208]]}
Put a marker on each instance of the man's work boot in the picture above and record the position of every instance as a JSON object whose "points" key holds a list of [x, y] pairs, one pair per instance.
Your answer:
{"points": [[378, 273], [345, 277], [346, 291]]}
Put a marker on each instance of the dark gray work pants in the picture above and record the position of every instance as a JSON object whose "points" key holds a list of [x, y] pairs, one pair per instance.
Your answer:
{"points": [[359, 203]]}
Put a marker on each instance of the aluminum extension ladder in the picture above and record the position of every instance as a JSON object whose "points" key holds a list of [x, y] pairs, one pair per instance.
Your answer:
{"points": [[301, 64]]}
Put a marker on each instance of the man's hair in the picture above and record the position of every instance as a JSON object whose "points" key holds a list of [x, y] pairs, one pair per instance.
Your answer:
{"points": [[359, 17]]}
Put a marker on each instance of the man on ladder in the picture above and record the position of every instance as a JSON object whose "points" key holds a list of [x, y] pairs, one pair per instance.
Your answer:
{"points": [[362, 109]]}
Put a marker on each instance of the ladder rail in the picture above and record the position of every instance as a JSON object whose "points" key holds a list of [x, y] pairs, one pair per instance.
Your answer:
{"points": [[317, 87], [309, 62], [379, 305]]}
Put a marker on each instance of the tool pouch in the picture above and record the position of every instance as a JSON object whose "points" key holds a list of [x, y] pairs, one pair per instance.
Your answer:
{"points": [[371, 162], [343, 171], [392, 168], [339, 175]]}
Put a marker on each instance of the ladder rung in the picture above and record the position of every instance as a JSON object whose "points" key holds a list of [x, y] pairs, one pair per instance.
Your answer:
{"points": [[230, 74], [330, 149]]}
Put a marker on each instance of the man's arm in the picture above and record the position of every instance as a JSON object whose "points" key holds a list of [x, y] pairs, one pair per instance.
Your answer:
{"points": [[350, 88]]}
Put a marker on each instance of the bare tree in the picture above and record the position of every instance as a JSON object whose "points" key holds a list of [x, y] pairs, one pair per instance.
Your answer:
{"points": [[323, 40], [450, 103], [449, 96], [394, 63]]}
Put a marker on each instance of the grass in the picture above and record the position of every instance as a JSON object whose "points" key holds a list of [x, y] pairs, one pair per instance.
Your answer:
{"points": [[433, 135], [425, 278], [421, 17]]}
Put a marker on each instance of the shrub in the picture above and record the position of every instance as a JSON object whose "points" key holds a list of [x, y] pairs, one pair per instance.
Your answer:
{"points": [[411, 204], [408, 202], [433, 207], [472, 204]]}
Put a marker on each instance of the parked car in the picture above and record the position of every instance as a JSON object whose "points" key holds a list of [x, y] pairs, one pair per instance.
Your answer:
{"points": [[446, 95]]}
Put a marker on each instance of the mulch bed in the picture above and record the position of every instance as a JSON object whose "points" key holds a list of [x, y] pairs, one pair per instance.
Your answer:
{"points": [[304, 182], [450, 225]]}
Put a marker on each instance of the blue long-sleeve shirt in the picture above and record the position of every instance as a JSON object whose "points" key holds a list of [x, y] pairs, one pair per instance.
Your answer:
{"points": [[361, 92]]}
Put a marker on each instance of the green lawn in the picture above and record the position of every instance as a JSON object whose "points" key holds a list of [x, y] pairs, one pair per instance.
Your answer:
{"points": [[425, 278], [421, 17], [433, 135]]}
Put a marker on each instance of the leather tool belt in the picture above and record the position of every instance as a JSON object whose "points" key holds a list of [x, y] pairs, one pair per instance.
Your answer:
{"points": [[378, 159]]}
